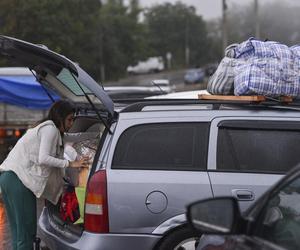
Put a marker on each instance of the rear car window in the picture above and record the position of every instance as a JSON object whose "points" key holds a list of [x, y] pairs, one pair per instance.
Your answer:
{"points": [[68, 79], [258, 146], [164, 146]]}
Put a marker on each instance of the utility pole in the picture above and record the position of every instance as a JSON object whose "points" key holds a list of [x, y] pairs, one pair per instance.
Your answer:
{"points": [[187, 47], [257, 21], [101, 45], [224, 27], [102, 66]]}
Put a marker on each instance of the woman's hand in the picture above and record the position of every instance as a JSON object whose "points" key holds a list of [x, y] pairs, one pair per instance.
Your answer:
{"points": [[83, 162]]}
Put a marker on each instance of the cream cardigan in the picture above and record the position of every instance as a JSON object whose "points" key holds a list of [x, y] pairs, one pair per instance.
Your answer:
{"points": [[37, 159]]}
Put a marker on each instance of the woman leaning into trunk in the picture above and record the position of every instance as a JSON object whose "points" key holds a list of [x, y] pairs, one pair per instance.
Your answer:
{"points": [[35, 168]]}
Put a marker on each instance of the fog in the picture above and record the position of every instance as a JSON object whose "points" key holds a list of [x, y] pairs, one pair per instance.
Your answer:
{"points": [[210, 9]]}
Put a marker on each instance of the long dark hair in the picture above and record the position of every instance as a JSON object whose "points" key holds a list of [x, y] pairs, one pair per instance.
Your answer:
{"points": [[59, 111]]}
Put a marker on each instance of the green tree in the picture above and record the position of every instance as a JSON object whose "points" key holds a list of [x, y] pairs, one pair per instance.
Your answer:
{"points": [[122, 36], [86, 31], [174, 28], [65, 26], [214, 41]]}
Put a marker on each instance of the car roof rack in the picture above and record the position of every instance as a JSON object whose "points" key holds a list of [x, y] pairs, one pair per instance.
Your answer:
{"points": [[252, 98], [218, 102]]}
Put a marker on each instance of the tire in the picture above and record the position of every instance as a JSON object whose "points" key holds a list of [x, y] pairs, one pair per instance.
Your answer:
{"points": [[182, 238]]}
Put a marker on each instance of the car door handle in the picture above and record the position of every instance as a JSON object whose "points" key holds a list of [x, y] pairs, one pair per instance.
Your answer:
{"points": [[243, 194]]}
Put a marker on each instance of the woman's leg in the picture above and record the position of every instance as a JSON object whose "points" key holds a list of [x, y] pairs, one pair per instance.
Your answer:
{"points": [[4, 183], [20, 204]]}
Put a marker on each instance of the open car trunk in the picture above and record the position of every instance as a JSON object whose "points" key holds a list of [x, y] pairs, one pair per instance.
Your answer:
{"points": [[68, 80], [82, 140]]}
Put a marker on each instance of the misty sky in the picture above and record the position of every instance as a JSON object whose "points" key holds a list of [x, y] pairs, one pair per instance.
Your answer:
{"points": [[210, 8]]}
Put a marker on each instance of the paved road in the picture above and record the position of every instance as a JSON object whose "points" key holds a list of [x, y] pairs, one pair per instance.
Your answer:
{"points": [[175, 78]]}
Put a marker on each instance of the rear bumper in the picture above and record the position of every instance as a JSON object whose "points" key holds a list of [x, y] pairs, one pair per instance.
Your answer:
{"points": [[57, 238]]}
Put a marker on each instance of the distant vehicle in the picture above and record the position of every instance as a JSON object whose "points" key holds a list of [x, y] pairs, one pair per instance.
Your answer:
{"points": [[118, 93], [15, 71], [151, 65], [210, 69], [127, 93], [194, 76], [161, 82], [20, 94], [181, 95], [272, 223], [163, 85]]}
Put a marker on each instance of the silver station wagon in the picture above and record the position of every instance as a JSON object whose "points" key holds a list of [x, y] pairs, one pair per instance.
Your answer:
{"points": [[154, 157]]}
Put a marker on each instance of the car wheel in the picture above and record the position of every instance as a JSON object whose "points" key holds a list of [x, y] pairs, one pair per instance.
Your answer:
{"points": [[183, 238]]}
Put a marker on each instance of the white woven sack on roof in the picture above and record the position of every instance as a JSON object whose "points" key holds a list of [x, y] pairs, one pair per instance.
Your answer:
{"points": [[222, 81]]}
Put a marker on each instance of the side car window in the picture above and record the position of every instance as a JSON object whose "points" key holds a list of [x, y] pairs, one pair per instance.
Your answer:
{"points": [[163, 146], [258, 146]]}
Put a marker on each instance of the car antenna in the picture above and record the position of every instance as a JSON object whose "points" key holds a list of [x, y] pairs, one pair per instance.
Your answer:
{"points": [[93, 106], [157, 85], [47, 92]]}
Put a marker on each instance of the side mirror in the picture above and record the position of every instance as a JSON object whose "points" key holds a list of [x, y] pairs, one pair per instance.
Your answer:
{"points": [[217, 215]]}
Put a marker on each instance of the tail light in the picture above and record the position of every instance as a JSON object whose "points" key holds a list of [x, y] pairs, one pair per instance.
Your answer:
{"points": [[2, 132], [17, 133], [96, 208]]}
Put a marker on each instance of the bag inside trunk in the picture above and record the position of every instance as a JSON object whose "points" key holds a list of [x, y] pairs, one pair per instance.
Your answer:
{"points": [[82, 140]]}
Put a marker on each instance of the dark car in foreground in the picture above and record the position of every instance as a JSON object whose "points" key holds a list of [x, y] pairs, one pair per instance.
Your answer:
{"points": [[273, 222]]}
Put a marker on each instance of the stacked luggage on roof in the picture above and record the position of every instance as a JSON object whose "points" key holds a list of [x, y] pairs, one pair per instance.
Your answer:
{"points": [[256, 67]]}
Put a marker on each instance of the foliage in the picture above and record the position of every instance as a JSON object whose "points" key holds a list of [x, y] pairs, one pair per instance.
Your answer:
{"points": [[86, 31], [122, 37], [278, 21], [111, 35], [173, 28], [60, 25]]}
